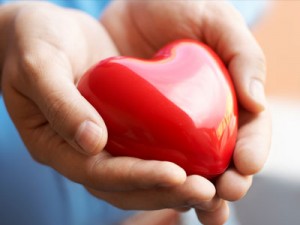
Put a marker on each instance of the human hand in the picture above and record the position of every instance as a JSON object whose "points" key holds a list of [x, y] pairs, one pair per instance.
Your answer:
{"points": [[45, 51], [140, 28]]}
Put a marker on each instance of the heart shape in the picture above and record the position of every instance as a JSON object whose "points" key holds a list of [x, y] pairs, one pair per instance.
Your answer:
{"points": [[179, 106]]}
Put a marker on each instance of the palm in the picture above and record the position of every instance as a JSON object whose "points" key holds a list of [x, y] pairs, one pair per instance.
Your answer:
{"points": [[140, 29]]}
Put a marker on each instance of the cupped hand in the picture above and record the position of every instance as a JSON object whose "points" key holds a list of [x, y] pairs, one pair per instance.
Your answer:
{"points": [[140, 28], [45, 51]]}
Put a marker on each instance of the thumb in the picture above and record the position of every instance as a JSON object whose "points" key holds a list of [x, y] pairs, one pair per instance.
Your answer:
{"points": [[236, 45], [248, 73], [42, 66], [53, 90]]}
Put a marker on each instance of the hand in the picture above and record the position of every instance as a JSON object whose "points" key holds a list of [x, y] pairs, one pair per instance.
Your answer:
{"points": [[140, 28], [46, 50]]}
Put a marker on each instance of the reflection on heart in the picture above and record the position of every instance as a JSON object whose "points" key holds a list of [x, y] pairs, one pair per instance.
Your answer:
{"points": [[179, 106]]}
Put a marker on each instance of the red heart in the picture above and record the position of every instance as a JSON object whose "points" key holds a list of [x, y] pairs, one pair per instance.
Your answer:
{"points": [[179, 106]]}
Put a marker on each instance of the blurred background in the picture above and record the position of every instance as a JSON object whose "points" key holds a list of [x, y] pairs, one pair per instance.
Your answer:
{"points": [[275, 195]]}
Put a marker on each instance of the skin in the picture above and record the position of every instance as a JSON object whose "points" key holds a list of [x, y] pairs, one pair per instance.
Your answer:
{"points": [[42, 62]]}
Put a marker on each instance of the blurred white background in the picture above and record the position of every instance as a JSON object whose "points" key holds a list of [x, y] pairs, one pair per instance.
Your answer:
{"points": [[274, 198]]}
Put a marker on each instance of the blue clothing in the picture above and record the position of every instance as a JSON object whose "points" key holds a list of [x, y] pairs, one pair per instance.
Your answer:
{"points": [[93, 7], [33, 194]]}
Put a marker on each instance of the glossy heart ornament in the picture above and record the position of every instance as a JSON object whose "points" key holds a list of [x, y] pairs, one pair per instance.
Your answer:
{"points": [[179, 106]]}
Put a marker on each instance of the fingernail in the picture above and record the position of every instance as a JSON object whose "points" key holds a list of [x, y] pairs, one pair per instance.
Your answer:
{"points": [[257, 92], [89, 136]]}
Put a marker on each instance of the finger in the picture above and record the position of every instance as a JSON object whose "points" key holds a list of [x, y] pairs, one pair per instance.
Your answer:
{"points": [[182, 209], [49, 66], [233, 186], [253, 142], [225, 31], [211, 205], [106, 173], [195, 190], [101, 171], [217, 217], [66, 111], [125, 173], [216, 23], [51, 86], [165, 216], [169, 21]]}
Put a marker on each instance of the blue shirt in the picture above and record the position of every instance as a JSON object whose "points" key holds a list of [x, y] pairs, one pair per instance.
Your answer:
{"points": [[33, 194]]}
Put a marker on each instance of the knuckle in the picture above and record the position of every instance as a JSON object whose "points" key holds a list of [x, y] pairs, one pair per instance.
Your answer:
{"points": [[30, 68], [34, 61], [191, 201], [95, 168], [213, 205], [220, 10], [40, 156], [33, 11], [58, 111], [261, 66], [55, 112], [91, 169]]}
